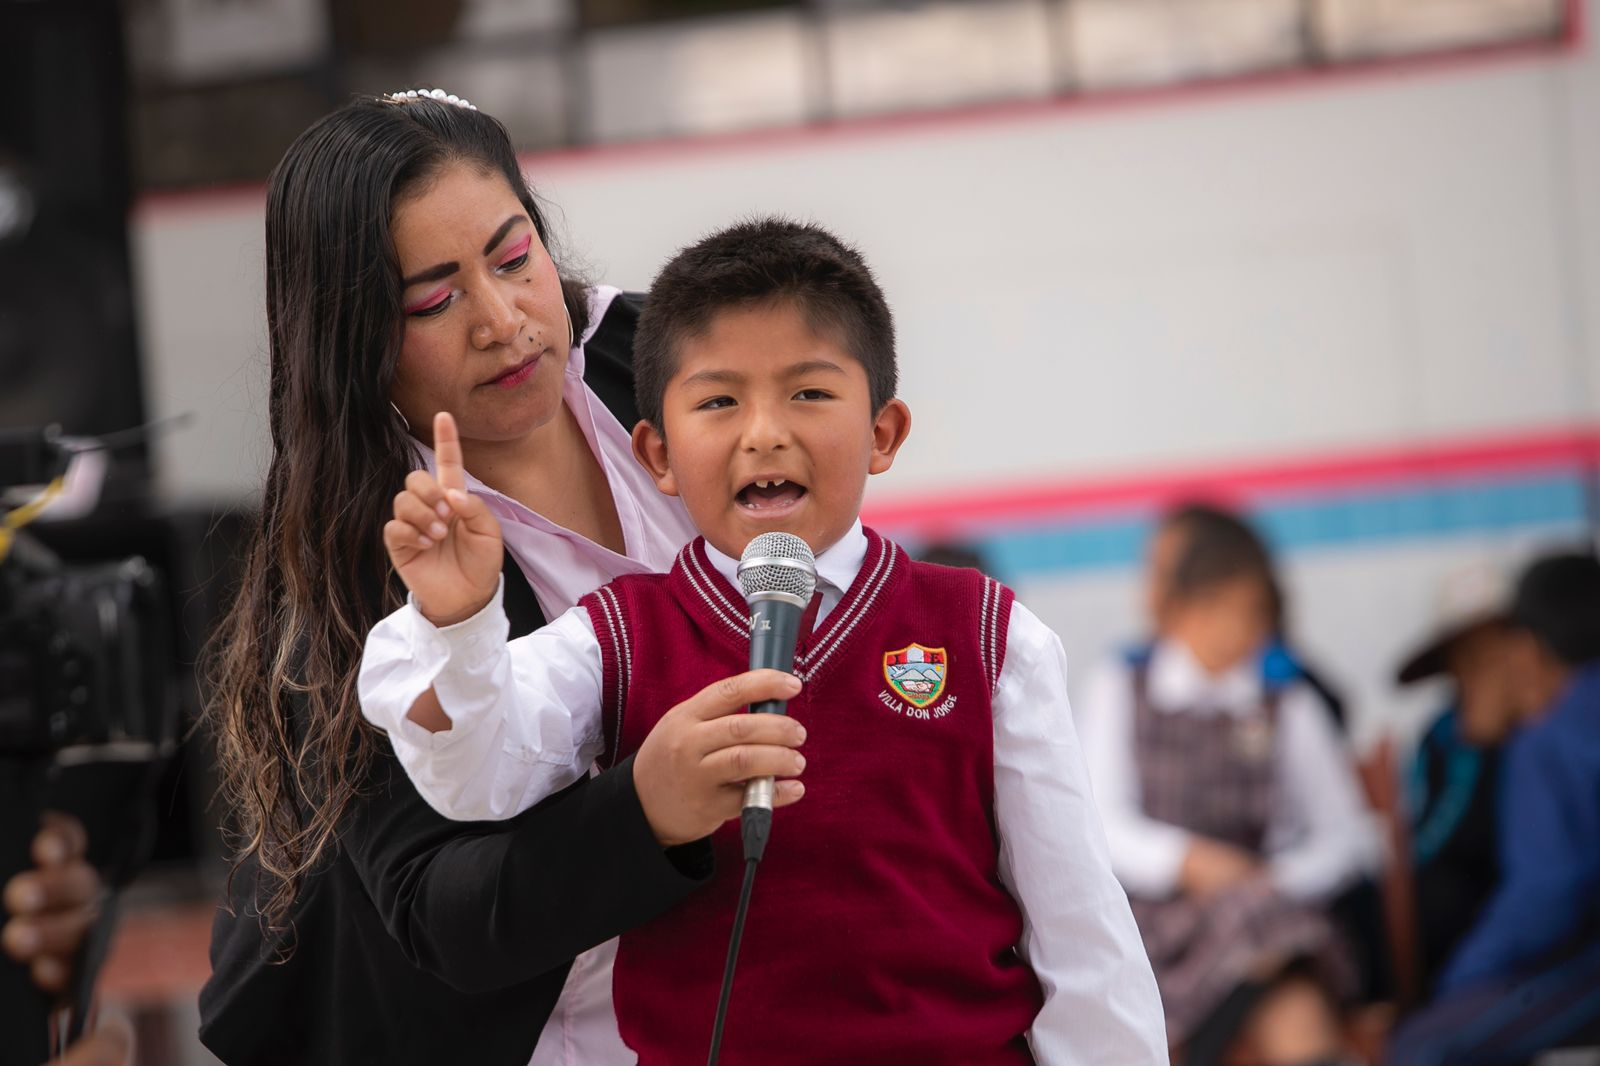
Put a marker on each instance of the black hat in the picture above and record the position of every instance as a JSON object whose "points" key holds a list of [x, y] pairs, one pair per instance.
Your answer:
{"points": [[1467, 598], [1558, 601]]}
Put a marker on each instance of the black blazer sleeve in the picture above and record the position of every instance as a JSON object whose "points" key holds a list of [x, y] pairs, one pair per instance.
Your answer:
{"points": [[485, 905]]}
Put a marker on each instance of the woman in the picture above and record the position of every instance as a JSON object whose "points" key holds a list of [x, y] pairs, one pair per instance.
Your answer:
{"points": [[408, 273]]}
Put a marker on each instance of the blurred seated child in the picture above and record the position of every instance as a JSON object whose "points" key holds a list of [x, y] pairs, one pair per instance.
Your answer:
{"points": [[1232, 811], [1453, 782], [1525, 978]]}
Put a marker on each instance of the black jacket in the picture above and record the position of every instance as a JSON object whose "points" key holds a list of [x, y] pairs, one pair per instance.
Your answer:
{"points": [[424, 940]]}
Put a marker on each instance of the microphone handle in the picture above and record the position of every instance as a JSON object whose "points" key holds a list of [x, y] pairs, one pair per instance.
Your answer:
{"points": [[774, 631]]}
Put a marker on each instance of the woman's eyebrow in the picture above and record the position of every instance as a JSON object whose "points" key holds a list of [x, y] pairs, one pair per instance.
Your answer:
{"points": [[444, 270], [500, 234], [433, 273]]}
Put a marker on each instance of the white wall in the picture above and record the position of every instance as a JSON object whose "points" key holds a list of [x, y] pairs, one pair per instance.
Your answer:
{"points": [[1323, 266], [1340, 263]]}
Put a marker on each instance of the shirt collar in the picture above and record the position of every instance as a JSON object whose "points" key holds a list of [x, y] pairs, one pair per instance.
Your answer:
{"points": [[837, 567], [1179, 683]]}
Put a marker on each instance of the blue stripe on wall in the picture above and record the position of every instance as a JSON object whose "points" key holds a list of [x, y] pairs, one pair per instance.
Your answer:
{"points": [[1372, 518]]}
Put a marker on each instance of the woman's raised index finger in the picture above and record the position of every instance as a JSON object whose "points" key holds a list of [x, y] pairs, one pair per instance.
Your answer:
{"points": [[447, 452]]}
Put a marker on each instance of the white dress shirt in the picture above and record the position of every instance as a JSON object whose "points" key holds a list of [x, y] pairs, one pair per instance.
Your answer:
{"points": [[1321, 837], [525, 722], [561, 567]]}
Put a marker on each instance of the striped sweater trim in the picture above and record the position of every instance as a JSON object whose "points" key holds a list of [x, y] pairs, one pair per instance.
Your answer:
{"points": [[881, 558], [994, 625], [707, 584], [880, 565], [616, 662]]}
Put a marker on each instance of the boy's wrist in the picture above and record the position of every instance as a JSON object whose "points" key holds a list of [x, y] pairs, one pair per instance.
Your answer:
{"points": [[443, 621], [467, 643], [479, 624]]}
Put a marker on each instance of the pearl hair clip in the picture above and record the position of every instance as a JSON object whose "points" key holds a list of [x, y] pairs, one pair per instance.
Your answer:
{"points": [[431, 94]]}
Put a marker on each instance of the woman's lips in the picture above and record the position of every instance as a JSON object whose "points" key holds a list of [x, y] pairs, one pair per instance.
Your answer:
{"points": [[517, 374]]}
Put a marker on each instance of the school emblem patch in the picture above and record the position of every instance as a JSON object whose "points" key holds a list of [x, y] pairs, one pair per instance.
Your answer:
{"points": [[917, 673]]}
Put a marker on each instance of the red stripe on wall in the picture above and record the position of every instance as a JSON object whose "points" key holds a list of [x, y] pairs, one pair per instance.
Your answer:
{"points": [[1573, 449]]}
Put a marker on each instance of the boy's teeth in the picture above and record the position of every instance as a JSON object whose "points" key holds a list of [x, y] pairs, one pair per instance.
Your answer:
{"points": [[760, 484]]}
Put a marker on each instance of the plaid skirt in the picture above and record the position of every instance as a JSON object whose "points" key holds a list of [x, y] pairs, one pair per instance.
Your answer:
{"points": [[1202, 950]]}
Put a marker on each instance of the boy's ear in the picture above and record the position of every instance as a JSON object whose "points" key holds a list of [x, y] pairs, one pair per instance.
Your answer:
{"points": [[889, 431], [650, 448]]}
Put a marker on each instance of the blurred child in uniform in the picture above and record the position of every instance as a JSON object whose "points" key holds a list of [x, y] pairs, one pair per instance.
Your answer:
{"points": [[1231, 809]]}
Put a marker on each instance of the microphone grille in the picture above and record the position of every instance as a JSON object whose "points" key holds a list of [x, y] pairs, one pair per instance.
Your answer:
{"points": [[778, 562]]}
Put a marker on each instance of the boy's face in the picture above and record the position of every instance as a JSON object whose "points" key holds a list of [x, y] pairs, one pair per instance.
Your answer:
{"points": [[1479, 663], [1536, 677], [768, 426]]}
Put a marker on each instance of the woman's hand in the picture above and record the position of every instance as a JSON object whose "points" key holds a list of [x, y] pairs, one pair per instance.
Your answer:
{"points": [[690, 771], [443, 541], [52, 905]]}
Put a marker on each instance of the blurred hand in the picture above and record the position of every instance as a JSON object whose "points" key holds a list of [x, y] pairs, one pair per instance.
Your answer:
{"points": [[52, 906], [443, 541], [111, 1044], [690, 771], [1210, 867]]}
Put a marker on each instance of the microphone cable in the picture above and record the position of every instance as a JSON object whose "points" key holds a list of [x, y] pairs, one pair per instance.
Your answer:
{"points": [[778, 576], [755, 825]]}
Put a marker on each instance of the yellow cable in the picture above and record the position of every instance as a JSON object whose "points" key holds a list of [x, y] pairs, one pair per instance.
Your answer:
{"points": [[27, 513]]}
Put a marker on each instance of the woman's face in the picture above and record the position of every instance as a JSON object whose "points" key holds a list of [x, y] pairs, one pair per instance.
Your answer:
{"points": [[485, 326]]}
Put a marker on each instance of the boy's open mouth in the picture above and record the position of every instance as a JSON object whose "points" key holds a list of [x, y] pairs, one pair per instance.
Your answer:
{"points": [[770, 494]]}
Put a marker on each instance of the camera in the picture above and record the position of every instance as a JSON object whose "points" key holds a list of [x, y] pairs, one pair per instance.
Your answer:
{"points": [[82, 654], [87, 714]]}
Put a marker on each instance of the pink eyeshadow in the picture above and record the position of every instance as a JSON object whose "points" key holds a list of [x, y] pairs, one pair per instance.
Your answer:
{"points": [[518, 249], [434, 297]]}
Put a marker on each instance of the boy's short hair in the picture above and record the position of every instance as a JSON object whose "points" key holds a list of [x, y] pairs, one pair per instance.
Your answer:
{"points": [[1558, 601], [763, 261]]}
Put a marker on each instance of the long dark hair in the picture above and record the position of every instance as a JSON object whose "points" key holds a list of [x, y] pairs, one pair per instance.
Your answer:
{"points": [[292, 745]]}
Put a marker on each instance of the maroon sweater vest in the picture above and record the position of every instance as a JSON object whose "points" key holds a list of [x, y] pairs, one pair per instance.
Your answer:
{"points": [[878, 930]]}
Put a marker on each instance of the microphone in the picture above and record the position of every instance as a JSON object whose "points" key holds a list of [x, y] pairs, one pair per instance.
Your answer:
{"points": [[778, 575]]}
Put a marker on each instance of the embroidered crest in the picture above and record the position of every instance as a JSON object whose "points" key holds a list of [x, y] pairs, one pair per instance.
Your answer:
{"points": [[917, 673]]}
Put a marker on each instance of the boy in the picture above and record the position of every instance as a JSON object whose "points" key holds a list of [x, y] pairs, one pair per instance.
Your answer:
{"points": [[1524, 978], [945, 890]]}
